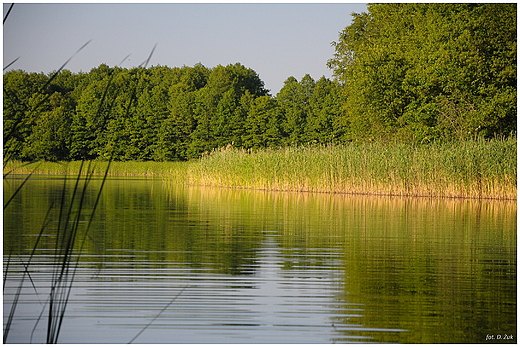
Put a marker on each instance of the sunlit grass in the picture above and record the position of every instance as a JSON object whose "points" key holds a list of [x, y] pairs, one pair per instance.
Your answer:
{"points": [[477, 169], [132, 168], [474, 169]]}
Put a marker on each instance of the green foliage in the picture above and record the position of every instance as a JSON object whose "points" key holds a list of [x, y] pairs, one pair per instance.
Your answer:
{"points": [[262, 124], [19, 88], [424, 71], [293, 100], [50, 138], [160, 113], [415, 73], [324, 121]]}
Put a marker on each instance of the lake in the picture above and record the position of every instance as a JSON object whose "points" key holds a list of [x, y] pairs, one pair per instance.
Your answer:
{"points": [[167, 263]]}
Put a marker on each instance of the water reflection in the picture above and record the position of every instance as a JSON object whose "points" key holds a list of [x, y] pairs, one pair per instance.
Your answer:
{"points": [[204, 265]]}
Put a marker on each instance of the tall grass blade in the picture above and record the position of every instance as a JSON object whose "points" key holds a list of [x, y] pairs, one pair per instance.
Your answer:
{"points": [[8, 12], [158, 314], [122, 61], [20, 186], [11, 63], [64, 64], [47, 95], [6, 270], [26, 272], [145, 63], [38, 321]]}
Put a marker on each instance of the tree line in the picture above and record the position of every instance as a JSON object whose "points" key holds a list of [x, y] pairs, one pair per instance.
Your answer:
{"points": [[161, 113], [406, 72]]}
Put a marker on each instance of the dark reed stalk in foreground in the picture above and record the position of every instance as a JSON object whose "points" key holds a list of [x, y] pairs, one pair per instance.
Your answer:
{"points": [[158, 314], [71, 212], [19, 122], [69, 217], [8, 12], [67, 233]]}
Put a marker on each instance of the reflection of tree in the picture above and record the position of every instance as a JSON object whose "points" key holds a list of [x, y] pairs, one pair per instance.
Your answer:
{"points": [[424, 268], [442, 270]]}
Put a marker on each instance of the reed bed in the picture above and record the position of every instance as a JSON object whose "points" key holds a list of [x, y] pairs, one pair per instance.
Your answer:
{"points": [[124, 169], [473, 169], [470, 169]]}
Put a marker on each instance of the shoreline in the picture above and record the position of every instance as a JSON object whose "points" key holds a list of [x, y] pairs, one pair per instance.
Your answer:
{"points": [[471, 169]]}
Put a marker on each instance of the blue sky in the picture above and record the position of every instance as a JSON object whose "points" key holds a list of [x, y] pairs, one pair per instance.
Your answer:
{"points": [[277, 40]]}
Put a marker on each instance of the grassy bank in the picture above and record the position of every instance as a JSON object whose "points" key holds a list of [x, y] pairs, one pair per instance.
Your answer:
{"points": [[475, 169], [128, 168]]}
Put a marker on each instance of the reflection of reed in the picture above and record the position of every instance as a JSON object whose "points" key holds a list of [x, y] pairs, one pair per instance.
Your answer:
{"points": [[411, 261], [416, 212], [408, 260]]}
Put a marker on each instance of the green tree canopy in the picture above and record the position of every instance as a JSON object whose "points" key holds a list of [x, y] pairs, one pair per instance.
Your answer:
{"points": [[425, 71]]}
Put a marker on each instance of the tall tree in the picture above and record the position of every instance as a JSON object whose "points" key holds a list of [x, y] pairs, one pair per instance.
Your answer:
{"points": [[262, 124], [424, 71], [326, 107], [294, 102], [51, 136], [174, 132], [19, 113]]}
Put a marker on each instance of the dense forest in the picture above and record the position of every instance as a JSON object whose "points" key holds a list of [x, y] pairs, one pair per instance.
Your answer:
{"points": [[414, 73]]}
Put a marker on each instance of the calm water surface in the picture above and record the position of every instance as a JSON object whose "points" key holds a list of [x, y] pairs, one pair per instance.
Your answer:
{"points": [[165, 263]]}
